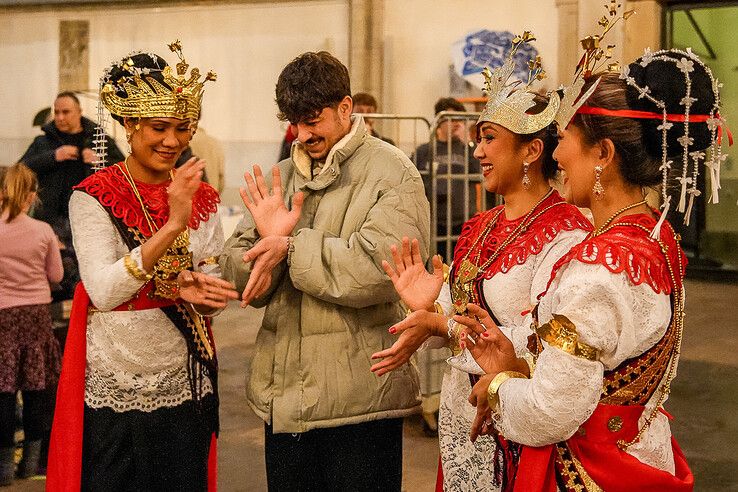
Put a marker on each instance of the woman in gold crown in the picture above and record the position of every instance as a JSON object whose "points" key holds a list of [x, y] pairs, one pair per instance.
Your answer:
{"points": [[606, 333], [502, 260], [137, 406]]}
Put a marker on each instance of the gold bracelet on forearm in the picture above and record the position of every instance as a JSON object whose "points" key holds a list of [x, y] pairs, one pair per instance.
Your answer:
{"points": [[492, 396], [133, 269]]}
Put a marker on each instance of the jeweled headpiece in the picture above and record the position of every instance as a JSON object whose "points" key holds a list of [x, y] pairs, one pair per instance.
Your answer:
{"points": [[146, 97], [508, 102], [596, 55], [131, 91]]}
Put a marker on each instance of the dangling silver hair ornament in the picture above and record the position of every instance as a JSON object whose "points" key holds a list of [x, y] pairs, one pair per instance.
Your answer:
{"points": [[715, 123], [100, 141]]}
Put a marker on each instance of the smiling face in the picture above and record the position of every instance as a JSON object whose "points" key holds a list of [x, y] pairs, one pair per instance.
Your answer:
{"points": [[319, 134], [501, 157], [577, 161], [156, 145]]}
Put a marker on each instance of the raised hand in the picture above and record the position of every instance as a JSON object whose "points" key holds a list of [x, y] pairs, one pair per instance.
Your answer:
{"points": [[185, 183], [66, 153], [492, 350], [88, 156], [205, 290], [482, 423], [414, 330], [271, 216], [418, 289], [266, 254]]}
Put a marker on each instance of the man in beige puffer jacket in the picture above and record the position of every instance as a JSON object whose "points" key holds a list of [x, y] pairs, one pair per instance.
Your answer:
{"points": [[330, 424]]}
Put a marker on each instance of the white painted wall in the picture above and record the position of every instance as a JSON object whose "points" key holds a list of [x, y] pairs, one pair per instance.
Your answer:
{"points": [[248, 45], [419, 35]]}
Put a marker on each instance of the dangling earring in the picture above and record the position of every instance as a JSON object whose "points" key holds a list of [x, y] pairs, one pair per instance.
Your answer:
{"points": [[597, 189], [526, 178]]}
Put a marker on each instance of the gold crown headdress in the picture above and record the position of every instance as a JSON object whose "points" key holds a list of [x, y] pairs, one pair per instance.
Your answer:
{"points": [[596, 54], [148, 98], [507, 103]]}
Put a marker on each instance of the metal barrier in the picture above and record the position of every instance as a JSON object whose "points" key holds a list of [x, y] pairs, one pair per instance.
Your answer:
{"points": [[452, 178]]}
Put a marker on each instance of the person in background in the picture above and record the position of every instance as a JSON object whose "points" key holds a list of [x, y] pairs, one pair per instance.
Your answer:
{"points": [[366, 103], [451, 156], [63, 156], [29, 353]]}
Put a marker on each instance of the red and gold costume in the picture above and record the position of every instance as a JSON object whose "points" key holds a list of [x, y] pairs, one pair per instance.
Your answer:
{"points": [[127, 348], [522, 251], [606, 337]]}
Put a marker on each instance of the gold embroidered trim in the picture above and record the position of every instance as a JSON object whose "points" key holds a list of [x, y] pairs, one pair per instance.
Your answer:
{"points": [[572, 471], [134, 270], [560, 332]]}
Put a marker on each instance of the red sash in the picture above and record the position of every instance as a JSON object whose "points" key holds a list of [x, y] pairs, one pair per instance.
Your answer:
{"points": [[64, 472], [595, 447]]}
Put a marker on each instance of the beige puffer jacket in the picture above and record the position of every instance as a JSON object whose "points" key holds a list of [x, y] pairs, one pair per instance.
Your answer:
{"points": [[330, 309]]}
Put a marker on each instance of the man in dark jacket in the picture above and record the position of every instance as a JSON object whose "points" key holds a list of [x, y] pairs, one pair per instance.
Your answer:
{"points": [[63, 157]]}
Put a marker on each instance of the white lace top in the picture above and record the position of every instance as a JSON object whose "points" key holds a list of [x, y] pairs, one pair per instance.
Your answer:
{"points": [[469, 466], [136, 360], [610, 314]]}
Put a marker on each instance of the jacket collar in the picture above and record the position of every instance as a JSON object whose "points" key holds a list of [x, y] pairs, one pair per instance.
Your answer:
{"points": [[88, 128], [339, 153]]}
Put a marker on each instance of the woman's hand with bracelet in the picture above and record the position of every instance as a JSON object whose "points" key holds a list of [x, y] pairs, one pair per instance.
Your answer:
{"points": [[418, 289], [205, 290], [492, 350], [413, 330]]}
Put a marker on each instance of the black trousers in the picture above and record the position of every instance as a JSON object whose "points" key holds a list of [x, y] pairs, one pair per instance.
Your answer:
{"points": [[33, 417], [360, 457], [166, 449]]}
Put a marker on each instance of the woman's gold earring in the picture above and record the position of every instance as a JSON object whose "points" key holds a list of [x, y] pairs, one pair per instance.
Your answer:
{"points": [[597, 189], [526, 178]]}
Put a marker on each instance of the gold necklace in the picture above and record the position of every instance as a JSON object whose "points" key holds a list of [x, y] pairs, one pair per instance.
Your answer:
{"points": [[468, 271], [178, 256], [602, 228]]}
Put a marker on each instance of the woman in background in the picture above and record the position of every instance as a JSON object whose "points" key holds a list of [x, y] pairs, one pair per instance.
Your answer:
{"points": [[29, 353]]}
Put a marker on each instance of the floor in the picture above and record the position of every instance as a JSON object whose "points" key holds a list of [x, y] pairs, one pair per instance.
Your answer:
{"points": [[703, 401]]}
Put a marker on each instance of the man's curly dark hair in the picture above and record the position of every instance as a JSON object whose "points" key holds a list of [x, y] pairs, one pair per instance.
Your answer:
{"points": [[310, 83]]}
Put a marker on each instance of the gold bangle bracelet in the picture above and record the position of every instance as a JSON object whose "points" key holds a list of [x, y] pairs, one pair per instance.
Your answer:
{"points": [[492, 396], [438, 308], [133, 269]]}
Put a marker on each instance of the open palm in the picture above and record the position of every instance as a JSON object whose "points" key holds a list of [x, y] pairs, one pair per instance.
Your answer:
{"points": [[271, 215], [418, 289]]}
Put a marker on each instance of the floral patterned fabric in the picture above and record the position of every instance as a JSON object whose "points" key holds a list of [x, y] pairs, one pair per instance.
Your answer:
{"points": [[29, 354]]}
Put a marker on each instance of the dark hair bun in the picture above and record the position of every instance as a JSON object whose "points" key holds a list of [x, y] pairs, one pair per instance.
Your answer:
{"points": [[147, 64], [667, 83]]}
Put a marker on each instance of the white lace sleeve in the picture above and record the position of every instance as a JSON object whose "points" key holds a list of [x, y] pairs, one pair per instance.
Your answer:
{"points": [[98, 246], [565, 389]]}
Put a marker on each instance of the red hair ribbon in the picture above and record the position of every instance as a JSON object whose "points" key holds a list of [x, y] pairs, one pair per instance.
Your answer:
{"points": [[649, 115]]}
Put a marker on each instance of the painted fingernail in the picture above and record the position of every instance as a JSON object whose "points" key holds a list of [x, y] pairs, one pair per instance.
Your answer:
{"points": [[485, 334], [393, 330]]}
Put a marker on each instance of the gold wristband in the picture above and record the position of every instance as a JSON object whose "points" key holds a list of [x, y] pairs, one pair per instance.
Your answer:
{"points": [[133, 269], [492, 396], [531, 360]]}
